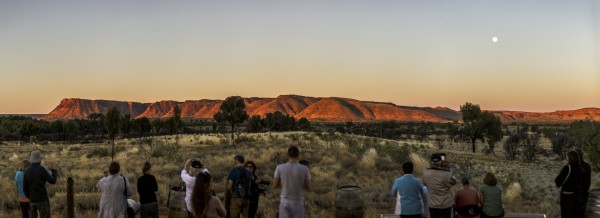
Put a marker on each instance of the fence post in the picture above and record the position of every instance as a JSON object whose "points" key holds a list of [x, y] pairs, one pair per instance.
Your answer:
{"points": [[70, 199]]}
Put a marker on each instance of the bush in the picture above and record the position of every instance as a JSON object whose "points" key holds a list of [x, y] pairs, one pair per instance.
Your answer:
{"points": [[98, 152]]}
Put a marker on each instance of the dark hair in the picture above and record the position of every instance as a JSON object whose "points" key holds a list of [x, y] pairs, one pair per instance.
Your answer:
{"points": [[490, 179], [293, 152], [239, 158], [201, 194], [114, 168], [573, 157], [147, 166], [407, 167], [253, 165]]}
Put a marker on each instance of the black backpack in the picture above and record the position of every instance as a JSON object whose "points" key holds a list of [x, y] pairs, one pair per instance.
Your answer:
{"points": [[245, 184]]}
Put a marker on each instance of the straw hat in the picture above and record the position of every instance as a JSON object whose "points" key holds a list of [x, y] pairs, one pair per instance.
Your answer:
{"points": [[36, 157]]}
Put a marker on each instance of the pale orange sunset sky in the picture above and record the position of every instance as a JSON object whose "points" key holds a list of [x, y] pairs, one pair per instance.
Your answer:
{"points": [[413, 53]]}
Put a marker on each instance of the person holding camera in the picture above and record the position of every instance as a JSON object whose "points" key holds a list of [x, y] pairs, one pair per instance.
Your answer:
{"points": [[439, 180], [191, 168], [238, 185], [34, 183], [254, 189]]}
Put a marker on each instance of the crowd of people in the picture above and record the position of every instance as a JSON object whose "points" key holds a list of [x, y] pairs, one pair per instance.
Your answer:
{"points": [[431, 197]]}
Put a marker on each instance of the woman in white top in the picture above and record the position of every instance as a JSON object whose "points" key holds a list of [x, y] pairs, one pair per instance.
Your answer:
{"points": [[115, 189], [190, 169]]}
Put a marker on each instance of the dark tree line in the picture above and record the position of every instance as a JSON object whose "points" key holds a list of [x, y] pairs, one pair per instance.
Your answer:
{"points": [[276, 122]]}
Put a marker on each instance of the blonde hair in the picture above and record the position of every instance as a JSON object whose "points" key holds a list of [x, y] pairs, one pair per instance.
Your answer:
{"points": [[24, 165]]}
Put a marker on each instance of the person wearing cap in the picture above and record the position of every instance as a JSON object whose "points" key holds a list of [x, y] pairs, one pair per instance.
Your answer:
{"points": [[34, 182], [467, 201], [409, 194], [23, 201], [439, 180], [191, 168], [147, 188], [238, 205]]}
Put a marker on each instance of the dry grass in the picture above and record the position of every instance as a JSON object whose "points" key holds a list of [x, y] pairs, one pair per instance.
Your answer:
{"points": [[335, 160]]}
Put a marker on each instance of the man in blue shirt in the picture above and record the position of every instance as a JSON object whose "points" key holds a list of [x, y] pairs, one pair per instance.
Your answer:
{"points": [[409, 192], [239, 202]]}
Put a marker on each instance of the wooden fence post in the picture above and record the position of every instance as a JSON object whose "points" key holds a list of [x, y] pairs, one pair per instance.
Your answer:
{"points": [[70, 199]]}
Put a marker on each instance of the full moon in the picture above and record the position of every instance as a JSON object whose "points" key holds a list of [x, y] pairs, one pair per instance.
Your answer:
{"points": [[494, 39]]}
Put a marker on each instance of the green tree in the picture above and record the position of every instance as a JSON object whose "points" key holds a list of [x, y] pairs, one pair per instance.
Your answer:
{"points": [[232, 111], [57, 127], [479, 125], [303, 124], [111, 123], [71, 128], [177, 118], [126, 124], [255, 124], [586, 134], [141, 125]]}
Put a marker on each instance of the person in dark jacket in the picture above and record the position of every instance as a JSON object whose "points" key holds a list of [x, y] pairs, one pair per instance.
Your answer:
{"points": [[570, 180], [147, 188], [587, 181], [255, 189], [34, 181]]}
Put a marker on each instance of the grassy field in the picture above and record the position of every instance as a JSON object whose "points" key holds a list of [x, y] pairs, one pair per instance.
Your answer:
{"points": [[335, 160]]}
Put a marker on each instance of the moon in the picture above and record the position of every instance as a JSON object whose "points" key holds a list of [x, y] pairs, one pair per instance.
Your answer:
{"points": [[494, 39]]}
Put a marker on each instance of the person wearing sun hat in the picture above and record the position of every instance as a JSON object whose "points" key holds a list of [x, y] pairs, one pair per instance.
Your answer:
{"points": [[439, 180], [34, 181]]}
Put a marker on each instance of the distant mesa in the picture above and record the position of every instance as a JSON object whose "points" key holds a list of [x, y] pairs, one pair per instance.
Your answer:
{"points": [[319, 109]]}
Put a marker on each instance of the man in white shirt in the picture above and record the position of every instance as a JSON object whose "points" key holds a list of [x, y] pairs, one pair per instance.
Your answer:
{"points": [[294, 179]]}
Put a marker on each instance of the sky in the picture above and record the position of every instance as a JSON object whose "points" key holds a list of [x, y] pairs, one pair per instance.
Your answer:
{"points": [[411, 53]]}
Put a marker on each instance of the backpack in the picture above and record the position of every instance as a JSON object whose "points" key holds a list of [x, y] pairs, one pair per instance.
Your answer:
{"points": [[244, 184]]}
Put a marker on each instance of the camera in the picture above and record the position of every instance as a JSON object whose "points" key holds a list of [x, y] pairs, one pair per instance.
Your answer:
{"points": [[196, 163]]}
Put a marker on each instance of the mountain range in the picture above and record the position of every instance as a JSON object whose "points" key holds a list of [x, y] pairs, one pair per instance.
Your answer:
{"points": [[319, 109]]}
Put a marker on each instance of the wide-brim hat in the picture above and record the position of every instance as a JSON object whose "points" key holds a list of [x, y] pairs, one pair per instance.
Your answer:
{"points": [[36, 157], [436, 158]]}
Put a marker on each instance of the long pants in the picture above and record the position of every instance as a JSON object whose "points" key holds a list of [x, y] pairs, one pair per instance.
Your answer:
{"points": [[42, 207], [291, 208], [239, 206], [569, 205], [149, 210], [24, 209], [252, 206], [440, 213]]}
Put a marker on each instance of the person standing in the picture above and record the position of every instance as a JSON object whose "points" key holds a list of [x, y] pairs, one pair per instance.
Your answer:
{"points": [[467, 201], [570, 182], [237, 185], [294, 179], [587, 181], [34, 182], [115, 189], [23, 200], [205, 204], [147, 188], [439, 180], [491, 197], [191, 168], [254, 189], [409, 194]]}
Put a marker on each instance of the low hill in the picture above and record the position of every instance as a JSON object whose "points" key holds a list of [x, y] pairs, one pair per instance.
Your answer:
{"points": [[320, 109]]}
